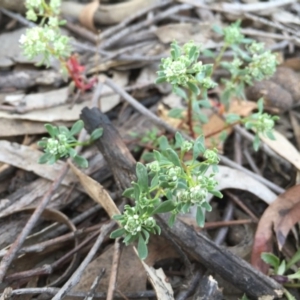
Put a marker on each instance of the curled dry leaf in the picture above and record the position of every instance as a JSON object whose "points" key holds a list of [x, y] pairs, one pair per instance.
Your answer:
{"points": [[86, 16], [273, 94], [280, 216], [289, 80], [284, 148]]}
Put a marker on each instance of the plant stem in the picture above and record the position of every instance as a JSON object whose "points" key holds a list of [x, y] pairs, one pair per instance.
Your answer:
{"points": [[190, 116], [219, 57]]}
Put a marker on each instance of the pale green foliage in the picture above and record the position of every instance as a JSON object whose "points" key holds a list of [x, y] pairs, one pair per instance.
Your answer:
{"points": [[183, 183], [183, 70], [285, 272], [46, 39], [62, 143]]}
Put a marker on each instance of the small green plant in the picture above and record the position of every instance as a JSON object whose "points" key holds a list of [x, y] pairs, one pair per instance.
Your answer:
{"points": [[62, 143], [190, 79], [182, 183], [280, 270], [46, 39], [261, 123]]}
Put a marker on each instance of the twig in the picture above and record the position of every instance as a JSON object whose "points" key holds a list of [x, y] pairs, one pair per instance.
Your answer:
{"points": [[238, 202], [39, 247], [74, 279], [184, 294], [15, 247], [49, 268], [114, 270], [144, 111], [112, 30], [228, 212], [133, 28], [94, 285], [52, 291]]}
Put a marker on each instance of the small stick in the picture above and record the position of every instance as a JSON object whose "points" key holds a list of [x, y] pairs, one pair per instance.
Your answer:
{"points": [[133, 28], [79, 294], [91, 294], [238, 202], [114, 270], [15, 247], [74, 279], [112, 30]]}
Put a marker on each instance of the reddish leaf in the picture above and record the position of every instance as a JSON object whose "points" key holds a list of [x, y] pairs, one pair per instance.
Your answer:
{"points": [[280, 216]]}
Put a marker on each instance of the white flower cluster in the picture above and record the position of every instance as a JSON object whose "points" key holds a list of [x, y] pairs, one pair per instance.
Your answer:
{"points": [[232, 34], [57, 146], [262, 65], [264, 123], [134, 223], [194, 195], [46, 40]]}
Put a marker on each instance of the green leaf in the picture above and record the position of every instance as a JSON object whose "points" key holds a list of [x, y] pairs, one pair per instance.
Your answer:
{"points": [[146, 235], [72, 152], [64, 130], [208, 53], [176, 113], [77, 127], [160, 79], [81, 161], [117, 233], [216, 193], [118, 217], [260, 105], [218, 29], [295, 275], [193, 87], [204, 103], [206, 206], [270, 259], [142, 175], [175, 50], [282, 268], [96, 134], [232, 118], [142, 248], [164, 207], [171, 220], [256, 143], [44, 158], [270, 135], [178, 139], [128, 193], [173, 157], [200, 217], [293, 260], [163, 145], [178, 91], [52, 130], [192, 53], [136, 191], [42, 143], [199, 146]]}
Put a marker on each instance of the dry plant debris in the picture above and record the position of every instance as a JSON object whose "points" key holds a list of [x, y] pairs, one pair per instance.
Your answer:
{"points": [[55, 220]]}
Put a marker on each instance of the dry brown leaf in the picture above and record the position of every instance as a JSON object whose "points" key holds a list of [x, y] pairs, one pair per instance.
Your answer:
{"points": [[284, 148], [130, 273], [229, 178], [26, 158], [96, 191], [86, 16], [273, 94], [212, 130], [280, 216], [242, 108], [292, 63]]}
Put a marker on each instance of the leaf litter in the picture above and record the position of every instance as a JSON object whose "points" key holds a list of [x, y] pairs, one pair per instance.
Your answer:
{"points": [[26, 106]]}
